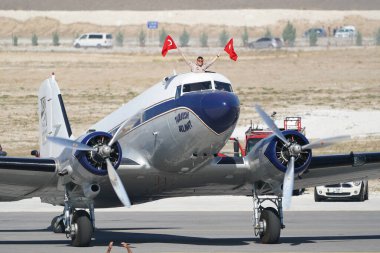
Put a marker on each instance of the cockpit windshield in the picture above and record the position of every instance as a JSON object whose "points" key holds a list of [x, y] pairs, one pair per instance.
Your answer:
{"points": [[206, 85], [202, 86], [223, 86]]}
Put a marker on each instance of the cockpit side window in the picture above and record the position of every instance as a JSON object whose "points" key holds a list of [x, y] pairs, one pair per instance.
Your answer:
{"points": [[223, 86], [189, 87], [178, 92]]}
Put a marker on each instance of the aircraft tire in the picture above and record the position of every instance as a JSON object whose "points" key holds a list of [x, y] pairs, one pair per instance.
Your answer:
{"points": [[57, 227], [84, 229], [272, 227]]}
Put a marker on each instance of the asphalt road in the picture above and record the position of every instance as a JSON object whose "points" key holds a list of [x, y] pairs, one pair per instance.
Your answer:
{"points": [[306, 231]]}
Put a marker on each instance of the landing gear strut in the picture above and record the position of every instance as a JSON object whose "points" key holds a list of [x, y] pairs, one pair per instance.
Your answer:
{"points": [[267, 221], [78, 225]]}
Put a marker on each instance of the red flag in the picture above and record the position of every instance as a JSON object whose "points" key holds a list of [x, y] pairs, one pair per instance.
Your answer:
{"points": [[168, 45], [229, 48]]}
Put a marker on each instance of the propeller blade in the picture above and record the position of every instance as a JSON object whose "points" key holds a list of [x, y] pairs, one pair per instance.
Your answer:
{"points": [[321, 143], [70, 143], [269, 122], [125, 127], [287, 188], [117, 184]]}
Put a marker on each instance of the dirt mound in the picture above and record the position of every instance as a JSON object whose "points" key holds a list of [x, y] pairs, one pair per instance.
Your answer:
{"points": [[44, 27], [74, 5]]}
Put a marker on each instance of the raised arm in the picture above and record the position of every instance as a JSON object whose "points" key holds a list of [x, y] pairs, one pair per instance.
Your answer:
{"points": [[208, 64], [184, 57]]}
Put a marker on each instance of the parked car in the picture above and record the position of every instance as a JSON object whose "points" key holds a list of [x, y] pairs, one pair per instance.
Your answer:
{"points": [[346, 32], [319, 31], [357, 190], [98, 40], [266, 42]]}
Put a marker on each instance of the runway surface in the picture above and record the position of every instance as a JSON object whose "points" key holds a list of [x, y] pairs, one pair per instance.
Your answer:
{"points": [[306, 231]]}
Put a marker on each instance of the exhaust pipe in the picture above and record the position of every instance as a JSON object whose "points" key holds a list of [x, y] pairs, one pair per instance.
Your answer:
{"points": [[91, 190]]}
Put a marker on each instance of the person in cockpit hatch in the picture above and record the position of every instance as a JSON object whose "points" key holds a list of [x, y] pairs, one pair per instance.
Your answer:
{"points": [[199, 66]]}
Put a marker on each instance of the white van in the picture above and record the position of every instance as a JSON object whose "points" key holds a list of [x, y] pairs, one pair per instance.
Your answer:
{"points": [[98, 40]]}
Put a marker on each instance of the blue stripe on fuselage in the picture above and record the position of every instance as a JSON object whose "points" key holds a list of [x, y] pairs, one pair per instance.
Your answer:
{"points": [[219, 110]]}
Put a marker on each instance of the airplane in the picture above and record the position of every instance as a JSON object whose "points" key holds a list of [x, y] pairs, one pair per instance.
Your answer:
{"points": [[164, 143]]}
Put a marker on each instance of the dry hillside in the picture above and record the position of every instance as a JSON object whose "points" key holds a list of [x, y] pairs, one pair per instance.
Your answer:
{"points": [[74, 5]]}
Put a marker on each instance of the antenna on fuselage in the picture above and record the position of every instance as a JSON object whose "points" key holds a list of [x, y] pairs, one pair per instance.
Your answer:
{"points": [[174, 72]]}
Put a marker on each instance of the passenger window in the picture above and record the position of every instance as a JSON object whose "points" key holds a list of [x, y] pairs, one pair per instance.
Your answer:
{"points": [[109, 36], [95, 36], [83, 37], [197, 86], [223, 86]]}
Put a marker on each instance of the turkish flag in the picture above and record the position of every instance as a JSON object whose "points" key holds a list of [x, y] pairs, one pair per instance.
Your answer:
{"points": [[229, 48], [168, 45]]}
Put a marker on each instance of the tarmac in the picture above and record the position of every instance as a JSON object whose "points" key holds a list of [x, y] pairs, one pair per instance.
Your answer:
{"points": [[199, 224], [153, 232]]}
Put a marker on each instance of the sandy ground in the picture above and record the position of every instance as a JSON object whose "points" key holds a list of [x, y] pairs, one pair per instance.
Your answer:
{"points": [[293, 83]]}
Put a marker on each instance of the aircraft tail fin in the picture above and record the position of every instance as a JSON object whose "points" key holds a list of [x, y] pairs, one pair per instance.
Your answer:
{"points": [[53, 120]]}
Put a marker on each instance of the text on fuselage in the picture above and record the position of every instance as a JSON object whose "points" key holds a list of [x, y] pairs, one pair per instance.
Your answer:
{"points": [[182, 118]]}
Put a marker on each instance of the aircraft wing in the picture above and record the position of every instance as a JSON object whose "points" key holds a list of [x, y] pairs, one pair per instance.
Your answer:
{"points": [[330, 169], [26, 177]]}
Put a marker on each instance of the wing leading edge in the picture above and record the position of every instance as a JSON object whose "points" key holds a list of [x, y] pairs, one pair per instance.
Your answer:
{"points": [[330, 169]]}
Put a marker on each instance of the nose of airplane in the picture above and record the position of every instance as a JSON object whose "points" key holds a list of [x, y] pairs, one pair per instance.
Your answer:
{"points": [[220, 110]]}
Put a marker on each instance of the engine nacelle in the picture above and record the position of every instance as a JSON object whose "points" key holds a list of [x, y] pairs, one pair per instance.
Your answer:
{"points": [[269, 158], [94, 162]]}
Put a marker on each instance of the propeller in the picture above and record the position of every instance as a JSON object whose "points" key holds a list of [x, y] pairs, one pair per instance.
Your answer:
{"points": [[105, 152], [294, 150], [321, 143], [70, 143], [269, 122], [125, 127], [287, 189], [117, 184]]}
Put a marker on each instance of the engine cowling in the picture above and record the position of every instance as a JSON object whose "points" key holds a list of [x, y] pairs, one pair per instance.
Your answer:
{"points": [[93, 161], [279, 154], [269, 158]]}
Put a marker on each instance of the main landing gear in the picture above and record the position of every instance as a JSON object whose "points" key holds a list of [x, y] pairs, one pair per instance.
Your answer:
{"points": [[267, 221], [79, 225]]}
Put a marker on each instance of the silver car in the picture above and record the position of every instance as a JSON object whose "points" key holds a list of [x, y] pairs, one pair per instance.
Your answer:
{"points": [[346, 32], [266, 42]]}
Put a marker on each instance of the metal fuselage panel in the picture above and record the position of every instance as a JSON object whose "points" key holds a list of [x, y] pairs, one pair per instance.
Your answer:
{"points": [[174, 145], [178, 132]]}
